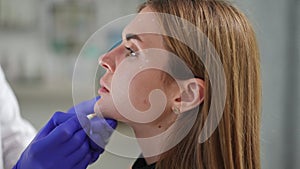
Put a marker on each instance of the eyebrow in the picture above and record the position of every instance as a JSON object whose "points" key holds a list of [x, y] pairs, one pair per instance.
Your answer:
{"points": [[132, 36]]}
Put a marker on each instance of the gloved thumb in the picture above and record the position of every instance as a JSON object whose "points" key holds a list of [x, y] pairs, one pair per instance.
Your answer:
{"points": [[85, 107]]}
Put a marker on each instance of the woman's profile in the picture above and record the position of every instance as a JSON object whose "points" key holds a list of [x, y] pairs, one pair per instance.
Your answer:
{"points": [[234, 144]]}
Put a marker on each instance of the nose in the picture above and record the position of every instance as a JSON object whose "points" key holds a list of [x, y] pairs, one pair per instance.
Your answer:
{"points": [[106, 61]]}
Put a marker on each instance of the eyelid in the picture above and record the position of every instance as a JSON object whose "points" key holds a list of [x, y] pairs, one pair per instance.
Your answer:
{"points": [[132, 52], [130, 46], [129, 49]]}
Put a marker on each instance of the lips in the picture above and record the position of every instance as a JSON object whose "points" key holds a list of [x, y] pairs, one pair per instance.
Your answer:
{"points": [[103, 90]]}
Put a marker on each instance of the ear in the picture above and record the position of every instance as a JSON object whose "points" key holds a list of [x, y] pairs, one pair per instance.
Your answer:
{"points": [[192, 94]]}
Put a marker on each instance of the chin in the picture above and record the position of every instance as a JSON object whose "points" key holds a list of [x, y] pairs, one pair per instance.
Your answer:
{"points": [[107, 110]]}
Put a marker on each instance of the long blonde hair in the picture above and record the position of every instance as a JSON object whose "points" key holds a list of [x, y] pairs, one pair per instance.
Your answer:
{"points": [[235, 143]]}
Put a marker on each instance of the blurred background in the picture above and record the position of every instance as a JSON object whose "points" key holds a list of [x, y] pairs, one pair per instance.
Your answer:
{"points": [[40, 41]]}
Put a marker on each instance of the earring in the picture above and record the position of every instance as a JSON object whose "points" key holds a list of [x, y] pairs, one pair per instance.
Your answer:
{"points": [[176, 110]]}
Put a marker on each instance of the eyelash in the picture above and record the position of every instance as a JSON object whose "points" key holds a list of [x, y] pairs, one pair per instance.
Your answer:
{"points": [[131, 52]]}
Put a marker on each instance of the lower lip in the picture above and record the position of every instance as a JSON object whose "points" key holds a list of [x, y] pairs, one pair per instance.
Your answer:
{"points": [[103, 90]]}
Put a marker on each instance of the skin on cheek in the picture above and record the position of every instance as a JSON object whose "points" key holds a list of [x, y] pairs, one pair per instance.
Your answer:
{"points": [[141, 87], [146, 101], [139, 100]]}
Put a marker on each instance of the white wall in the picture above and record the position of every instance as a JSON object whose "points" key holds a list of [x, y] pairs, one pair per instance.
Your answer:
{"points": [[279, 118]]}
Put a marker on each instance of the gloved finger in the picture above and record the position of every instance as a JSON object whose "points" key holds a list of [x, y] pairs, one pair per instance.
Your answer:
{"points": [[44, 131], [61, 117], [85, 122], [75, 142], [56, 119], [85, 107], [100, 132], [112, 123], [100, 124], [83, 163], [66, 130], [95, 156], [47, 143], [97, 143], [101, 139], [78, 155]]}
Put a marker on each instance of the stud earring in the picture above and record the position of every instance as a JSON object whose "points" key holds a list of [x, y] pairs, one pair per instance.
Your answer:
{"points": [[176, 110]]}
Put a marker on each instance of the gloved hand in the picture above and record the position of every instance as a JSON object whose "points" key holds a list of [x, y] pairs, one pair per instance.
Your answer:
{"points": [[61, 144], [100, 129]]}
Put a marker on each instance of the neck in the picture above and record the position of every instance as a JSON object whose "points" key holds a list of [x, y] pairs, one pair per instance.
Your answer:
{"points": [[149, 140], [152, 136]]}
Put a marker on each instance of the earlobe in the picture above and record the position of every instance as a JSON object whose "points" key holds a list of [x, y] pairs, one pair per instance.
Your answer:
{"points": [[192, 94]]}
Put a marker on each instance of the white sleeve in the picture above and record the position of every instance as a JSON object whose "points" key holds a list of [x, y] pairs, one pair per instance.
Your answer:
{"points": [[16, 133]]}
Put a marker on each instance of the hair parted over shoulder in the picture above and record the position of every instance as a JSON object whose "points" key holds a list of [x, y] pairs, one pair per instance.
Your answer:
{"points": [[235, 144]]}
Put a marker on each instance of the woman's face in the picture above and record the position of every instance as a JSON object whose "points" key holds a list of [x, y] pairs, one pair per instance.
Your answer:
{"points": [[144, 82]]}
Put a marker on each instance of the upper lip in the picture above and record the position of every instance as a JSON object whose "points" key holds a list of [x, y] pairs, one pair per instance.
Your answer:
{"points": [[102, 84]]}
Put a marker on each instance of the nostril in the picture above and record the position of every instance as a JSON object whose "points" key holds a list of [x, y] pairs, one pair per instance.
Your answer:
{"points": [[102, 63], [107, 62], [105, 66]]}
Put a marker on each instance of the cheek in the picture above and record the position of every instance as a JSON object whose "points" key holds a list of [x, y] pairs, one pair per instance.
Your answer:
{"points": [[141, 87]]}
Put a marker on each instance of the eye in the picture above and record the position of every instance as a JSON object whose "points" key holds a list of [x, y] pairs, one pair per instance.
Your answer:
{"points": [[131, 52]]}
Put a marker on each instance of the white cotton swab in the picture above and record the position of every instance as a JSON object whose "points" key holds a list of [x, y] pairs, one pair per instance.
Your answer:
{"points": [[90, 116]]}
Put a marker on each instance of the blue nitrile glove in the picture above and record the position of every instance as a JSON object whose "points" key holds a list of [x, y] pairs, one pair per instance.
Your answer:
{"points": [[61, 144], [100, 131], [100, 128]]}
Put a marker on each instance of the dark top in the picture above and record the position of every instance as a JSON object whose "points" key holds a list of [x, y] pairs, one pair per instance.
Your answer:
{"points": [[141, 163]]}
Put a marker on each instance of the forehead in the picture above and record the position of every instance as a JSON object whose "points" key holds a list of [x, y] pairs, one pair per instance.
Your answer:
{"points": [[145, 22]]}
